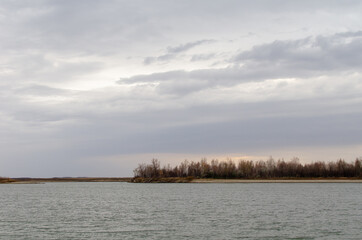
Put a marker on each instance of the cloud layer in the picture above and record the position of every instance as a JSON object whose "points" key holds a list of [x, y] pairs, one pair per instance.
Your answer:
{"points": [[84, 82]]}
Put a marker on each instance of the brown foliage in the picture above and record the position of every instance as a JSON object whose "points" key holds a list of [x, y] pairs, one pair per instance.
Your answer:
{"points": [[249, 169]]}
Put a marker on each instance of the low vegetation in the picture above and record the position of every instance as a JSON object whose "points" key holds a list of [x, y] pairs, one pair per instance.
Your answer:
{"points": [[64, 179], [249, 169], [6, 180], [162, 180]]}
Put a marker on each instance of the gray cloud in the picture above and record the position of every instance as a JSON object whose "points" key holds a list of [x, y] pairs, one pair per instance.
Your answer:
{"points": [[202, 57], [303, 58], [187, 46], [162, 58], [172, 52], [319, 54], [294, 82]]}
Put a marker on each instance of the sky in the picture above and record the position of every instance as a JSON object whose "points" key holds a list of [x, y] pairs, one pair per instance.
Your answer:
{"points": [[93, 87]]}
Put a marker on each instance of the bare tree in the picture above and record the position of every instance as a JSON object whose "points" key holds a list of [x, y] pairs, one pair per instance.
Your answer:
{"points": [[250, 169]]}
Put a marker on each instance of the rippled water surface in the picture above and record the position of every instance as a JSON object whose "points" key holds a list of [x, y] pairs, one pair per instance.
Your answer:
{"points": [[181, 211]]}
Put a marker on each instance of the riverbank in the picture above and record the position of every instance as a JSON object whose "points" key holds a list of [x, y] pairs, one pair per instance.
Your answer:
{"points": [[276, 180], [6, 180], [179, 180], [65, 179], [163, 180]]}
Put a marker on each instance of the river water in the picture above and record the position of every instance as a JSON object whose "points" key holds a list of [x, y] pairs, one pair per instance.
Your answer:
{"points": [[181, 211]]}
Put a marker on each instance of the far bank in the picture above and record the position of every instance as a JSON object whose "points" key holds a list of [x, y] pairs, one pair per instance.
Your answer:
{"points": [[214, 180]]}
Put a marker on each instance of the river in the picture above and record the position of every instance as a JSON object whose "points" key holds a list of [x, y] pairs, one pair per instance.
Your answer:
{"points": [[181, 211]]}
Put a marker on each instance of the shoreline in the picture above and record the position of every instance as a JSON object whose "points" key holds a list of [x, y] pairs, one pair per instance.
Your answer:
{"points": [[276, 181], [219, 180], [63, 179], [178, 180]]}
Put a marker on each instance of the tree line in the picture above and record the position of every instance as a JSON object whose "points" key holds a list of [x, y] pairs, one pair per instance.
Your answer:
{"points": [[251, 169]]}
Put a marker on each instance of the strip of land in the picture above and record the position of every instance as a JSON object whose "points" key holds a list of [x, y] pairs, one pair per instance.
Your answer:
{"points": [[220, 180], [276, 181], [178, 180], [60, 179]]}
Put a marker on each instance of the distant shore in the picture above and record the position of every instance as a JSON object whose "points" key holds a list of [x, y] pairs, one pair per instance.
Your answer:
{"points": [[277, 181], [177, 180], [219, 180], [62, 179]]}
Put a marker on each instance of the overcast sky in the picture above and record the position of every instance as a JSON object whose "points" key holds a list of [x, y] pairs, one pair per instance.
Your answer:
{"points": [[92, 88]]}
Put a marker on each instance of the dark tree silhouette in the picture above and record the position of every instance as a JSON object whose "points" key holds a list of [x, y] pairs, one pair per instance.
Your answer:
{"points": [[249, 169]]}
